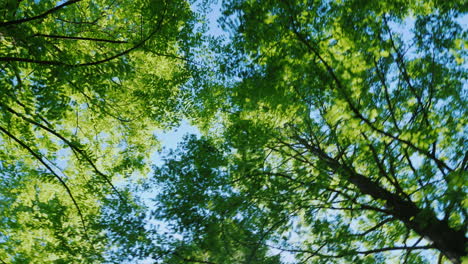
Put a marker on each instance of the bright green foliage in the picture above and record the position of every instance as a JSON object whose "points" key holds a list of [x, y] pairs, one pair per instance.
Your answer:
{"points": [[335, 132], [83, 86], [344, 135]]}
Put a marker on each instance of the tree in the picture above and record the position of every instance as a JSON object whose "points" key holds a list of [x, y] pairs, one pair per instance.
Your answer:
{"points": [[84, 84], [344, 134]]}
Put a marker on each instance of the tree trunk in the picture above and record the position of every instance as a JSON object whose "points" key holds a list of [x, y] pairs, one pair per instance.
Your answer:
{"points": [[424, 222]]}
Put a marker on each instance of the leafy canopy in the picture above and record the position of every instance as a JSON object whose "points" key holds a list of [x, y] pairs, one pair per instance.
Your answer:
{"points": [[344, 134], [334, 131], [84, 84]]}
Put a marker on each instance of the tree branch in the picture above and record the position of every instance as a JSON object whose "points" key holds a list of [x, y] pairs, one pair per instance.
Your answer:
{"points": [[382, 223], [80, 38], [43, 15], [69, 143], [379, 250], [358, 114], [60, 63], [62, 182]]}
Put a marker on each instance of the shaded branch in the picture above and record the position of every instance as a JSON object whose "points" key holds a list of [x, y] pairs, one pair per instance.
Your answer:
{"points": [[401, 65], [350, 253], [359, 115], [382, 223], [59, 63], [387, 95], [69, 143], [43, 62], [62, 182], [80, 38], [379, 250], [120, 54], [43, 15], [393, 180], [267, 232]]}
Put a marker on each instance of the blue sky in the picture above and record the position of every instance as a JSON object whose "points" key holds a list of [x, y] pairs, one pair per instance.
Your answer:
{"points": [[170, 139]]}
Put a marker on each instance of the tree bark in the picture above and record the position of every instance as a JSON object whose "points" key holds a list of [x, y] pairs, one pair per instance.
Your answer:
{"points": [[424, 222], [450, 242]]}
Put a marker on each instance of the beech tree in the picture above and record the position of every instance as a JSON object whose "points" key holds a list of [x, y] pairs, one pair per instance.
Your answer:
{"points": [[340, 137]]}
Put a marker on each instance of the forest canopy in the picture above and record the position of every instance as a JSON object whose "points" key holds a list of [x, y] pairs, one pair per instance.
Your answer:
{"points": [[330, 132]]}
